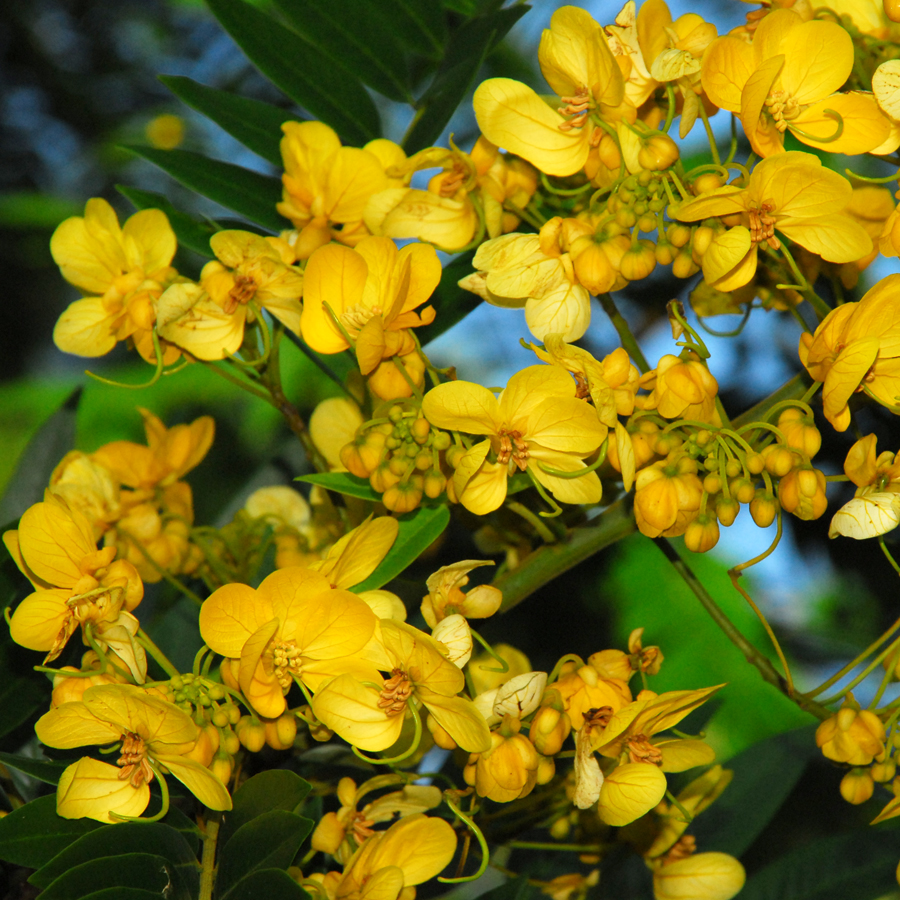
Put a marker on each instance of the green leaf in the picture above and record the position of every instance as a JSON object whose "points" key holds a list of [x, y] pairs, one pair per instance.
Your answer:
{"points": [[269, 883], [309, 77], [190, 233], [451, 303], [255, 124], [855, 866], [764, 775], [51, 442], [146, 871], [358, 34], [269, 841], [33, 834], [27, 210], [465, 52], [514, 889], [418, 531], [247, 193], [120, 893], [44, 770], [343, 483], [418, 23], [272, 789], [113, 841]]}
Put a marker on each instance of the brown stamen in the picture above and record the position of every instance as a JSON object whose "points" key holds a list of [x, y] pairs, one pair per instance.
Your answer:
{"points": [[396, 691], [135, 767]]}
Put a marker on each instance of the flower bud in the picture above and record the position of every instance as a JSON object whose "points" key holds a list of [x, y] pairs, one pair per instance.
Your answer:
{"points": [[800, 432], [439, 735], [508, 771], [222, 766], [702, 534], [779, 460], [630, 791], [659, 152], [764, 508], [609, 153], [857, 786], [678, 234], [683, 266], [802, 492], [560, 829], [883, 772], [520, 696], [594, 269], [454, 634], [852, 736], [742, 490], [702, 876], [546, 770], [727, 510], [280, 732], [228, 741], [706, 182], [549, 729], [702, 239], [251, 733], [638, 261]]}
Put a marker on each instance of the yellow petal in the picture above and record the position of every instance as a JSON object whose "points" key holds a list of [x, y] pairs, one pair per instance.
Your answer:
{"points": [[448, 222], [133, 709], [845, 376], [865, 126], [755, 93], [724, 201], [799, 186], [564, 425], [351, 710], [258, 684], [585, 489], [836, 238], [681, 755], [93, 789], [726, 66], [421, 846], [74, 725], [463, 406], [481, 485], [867, 515], [565, 310], [630, 791], [531, 387], [149, 240], [89, 250], [334, 275], [729, 259], [85, 328], [819, 60], [460, 719], [190, 319], [205, 786], [54, 540], [361, 551], [230, 615], [511, 115], [886, 87]]}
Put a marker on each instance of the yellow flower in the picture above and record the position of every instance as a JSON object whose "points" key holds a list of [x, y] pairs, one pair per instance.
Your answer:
{"points": [[508, 770], [586, 689], [514, 271], [875, 507], [853, 736], [412, 851], [76, 584], [445, 596], [252, 272], [667, 497], [371, 717], [154, 735], [630, 791], [122, 269], [536, 425], [576, 61], [792, 193], [786, 79], [326, 186], [680, 389], [857, 348], [295, 626], [353, 558], [368, 296], [446, 214], [89, 487]]}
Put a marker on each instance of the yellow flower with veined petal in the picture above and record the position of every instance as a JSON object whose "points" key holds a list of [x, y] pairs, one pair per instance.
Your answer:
{"points": [[370, 716], [122, 269], [412, 851], [786, 79], [154, 735], [857, 348], [326, 186], [792, 193], [251, 272], [76, 584], [294, 626], [576, 61], [372, 293], [536, 425]]}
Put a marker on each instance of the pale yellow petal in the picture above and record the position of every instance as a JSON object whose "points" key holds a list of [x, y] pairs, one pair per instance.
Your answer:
{"points": [[463, 406], [199, 780], [351, 710], [565, 310], [460, 719], [230, 615], [85, 328], [93, 789]]}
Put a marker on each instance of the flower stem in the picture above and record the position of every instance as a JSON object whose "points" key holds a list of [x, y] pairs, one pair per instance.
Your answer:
{"points": [[208, 868], [625, 335]]}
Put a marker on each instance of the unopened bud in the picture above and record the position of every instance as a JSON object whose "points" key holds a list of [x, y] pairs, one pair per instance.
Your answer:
{"points": [[857, 786], [638, 261], [702, 534], [251, 733], [659, 152]]}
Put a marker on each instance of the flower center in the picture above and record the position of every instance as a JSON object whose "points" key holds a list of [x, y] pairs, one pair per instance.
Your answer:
{"points": [[287, 663], [762, 225], [135, 767], [396, 691], [681, 849], [575, 109], [512, 447], [243, 292], [782, 107], [356, 317], [640, 750]]}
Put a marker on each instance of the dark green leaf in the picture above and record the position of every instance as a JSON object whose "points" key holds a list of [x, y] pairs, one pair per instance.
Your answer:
{"points": [[418, 531], [450, 301], [247, 193], [343, 483], [358, 34], [51, 442], [123, 839], [186, 827], [44, 770], [269, 841], [190, 233], [272, 789], [764, 775], [418, 23], [309, 77], [255, 124], [120, 893], [33, 834], [129, 870], [23, 695], [466, 51], [514, 889], [855, 866], [273, 884]]}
